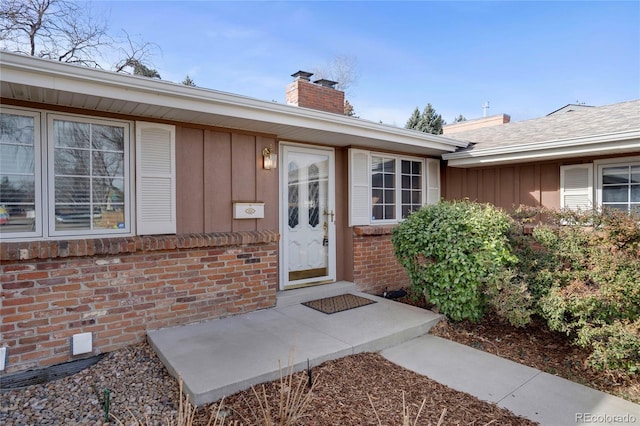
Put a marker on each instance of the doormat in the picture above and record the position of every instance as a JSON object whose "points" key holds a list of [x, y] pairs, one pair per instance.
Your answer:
{"points": [[331, 305]]}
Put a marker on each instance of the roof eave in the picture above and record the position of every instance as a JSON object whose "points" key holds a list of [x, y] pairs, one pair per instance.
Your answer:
{"points": [[51, 75], [614, 143]]}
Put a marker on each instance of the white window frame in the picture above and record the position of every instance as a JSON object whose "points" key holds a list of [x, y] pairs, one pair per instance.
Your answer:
{"points": [[44, 228], [38, 182], [599, 165], [128, 217], [427, 188]]}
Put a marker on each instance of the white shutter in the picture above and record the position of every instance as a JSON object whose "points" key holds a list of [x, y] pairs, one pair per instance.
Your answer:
{"points": [[433, 180], [576, 187], [359, 191], [155, 178]]}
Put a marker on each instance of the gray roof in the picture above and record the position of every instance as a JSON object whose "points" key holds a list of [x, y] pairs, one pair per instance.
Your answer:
{"points": [[614, 118]]}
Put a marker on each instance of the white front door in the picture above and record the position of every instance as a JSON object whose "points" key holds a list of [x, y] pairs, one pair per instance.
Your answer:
{"points": [[307, 216]]}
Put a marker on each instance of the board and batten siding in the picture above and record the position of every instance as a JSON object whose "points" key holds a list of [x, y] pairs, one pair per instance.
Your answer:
{"points": [[216, 168], [507, 186], [530, 184]]}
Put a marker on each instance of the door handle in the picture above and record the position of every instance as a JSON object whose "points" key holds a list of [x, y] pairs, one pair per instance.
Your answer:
{"points": [[326, 213]]}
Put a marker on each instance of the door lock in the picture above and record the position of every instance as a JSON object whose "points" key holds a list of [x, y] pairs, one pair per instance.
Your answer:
{"points": [[326, 213]]}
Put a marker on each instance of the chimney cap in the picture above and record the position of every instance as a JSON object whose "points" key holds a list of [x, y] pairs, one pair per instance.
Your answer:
{"points": [[326, 83], [302, 75]]}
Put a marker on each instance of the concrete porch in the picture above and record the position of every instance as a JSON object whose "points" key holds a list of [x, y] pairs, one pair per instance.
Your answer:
{"points": [[223, 356]]}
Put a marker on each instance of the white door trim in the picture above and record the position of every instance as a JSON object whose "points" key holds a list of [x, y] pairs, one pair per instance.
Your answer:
{"points": [[284, 149]]}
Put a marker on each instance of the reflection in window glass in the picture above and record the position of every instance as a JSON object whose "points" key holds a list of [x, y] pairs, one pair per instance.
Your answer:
{"points": [[89, 176], [411, 186], [621, 187], [294, 195], [313, 193], [17, 173], [383, 188]]}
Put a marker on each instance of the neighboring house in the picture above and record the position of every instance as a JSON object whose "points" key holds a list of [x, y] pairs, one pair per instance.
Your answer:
{"points": [[580, 158], [135, 204]]}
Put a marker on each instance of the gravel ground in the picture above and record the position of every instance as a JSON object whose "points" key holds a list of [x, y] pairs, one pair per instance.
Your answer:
{"points": [[138, 382], [135, 377]]}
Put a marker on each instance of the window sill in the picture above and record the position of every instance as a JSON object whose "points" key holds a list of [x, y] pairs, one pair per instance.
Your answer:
{"points": [[374, 229]]}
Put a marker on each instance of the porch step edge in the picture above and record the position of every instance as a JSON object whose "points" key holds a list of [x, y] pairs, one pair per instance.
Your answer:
{"points": [[305, 294]]}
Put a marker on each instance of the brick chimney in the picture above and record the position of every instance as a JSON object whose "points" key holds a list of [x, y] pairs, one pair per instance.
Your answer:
{"points": [[320, 94], [463, 126]]}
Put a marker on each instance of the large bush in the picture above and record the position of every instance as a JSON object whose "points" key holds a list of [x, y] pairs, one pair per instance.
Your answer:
{"points": [[451, 250], [583, 272]]}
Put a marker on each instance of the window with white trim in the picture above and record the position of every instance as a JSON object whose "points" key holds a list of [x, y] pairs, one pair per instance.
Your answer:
{"points": [[88, 176], [619, 184], [383, 188], [20, 174], [387, 188], [70, 179]]}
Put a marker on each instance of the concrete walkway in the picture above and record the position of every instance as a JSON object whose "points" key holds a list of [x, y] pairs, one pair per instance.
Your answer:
{"points": [[525, 391], [220, 357]]}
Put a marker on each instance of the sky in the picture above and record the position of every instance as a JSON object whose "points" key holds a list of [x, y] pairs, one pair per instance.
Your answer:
{"points": [[525, 59]]}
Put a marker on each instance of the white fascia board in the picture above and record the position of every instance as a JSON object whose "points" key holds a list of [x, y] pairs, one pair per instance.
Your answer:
{"points": [[612, 143], [53, 75]]}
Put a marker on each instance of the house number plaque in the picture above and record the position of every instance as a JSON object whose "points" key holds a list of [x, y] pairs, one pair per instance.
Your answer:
{"points": [[248, 210]]}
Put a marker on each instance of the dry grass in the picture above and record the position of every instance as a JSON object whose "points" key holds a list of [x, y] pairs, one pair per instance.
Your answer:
{"points": [[293, 400]]}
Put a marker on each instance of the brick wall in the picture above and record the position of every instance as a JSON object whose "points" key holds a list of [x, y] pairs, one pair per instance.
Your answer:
{"points": [[310, 95], [375, 268], [119, 288]]}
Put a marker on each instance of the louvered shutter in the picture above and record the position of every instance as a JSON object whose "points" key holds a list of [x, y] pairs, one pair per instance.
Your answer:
{"points": [[433, 180], [359, 191], [155, 178], [576, 187]]}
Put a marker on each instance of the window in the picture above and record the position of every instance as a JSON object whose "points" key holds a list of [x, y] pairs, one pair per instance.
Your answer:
{"points": [[619, 184], [411, 174], [383, 188], [71, 179], [387, 188], [19, 174], [88, 171]]}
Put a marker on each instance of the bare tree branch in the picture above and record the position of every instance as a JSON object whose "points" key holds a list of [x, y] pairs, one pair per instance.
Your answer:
{"points": [[66, 31], [135, 54], [343, 69]]}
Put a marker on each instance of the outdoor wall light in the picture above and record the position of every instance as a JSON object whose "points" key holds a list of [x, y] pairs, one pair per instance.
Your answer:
{"points": [[270, 158]]}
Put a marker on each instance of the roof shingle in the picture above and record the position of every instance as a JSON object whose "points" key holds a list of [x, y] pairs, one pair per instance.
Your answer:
{"points": [[614, 118]]}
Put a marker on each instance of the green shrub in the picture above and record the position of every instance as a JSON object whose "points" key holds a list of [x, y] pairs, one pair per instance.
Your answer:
{"points": [[450, 250], [508, 295], [583, 274], [614, 346]]}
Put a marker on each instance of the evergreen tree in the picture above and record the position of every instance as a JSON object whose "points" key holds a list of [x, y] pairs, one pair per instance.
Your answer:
{"points": [[188, 82], [413, 121], [141, 69], [459, 119], [428, 122], [348, 109]]}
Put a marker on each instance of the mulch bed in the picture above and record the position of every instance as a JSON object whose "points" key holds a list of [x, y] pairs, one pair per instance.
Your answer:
{"points": [[343, 389], [346, 386]]}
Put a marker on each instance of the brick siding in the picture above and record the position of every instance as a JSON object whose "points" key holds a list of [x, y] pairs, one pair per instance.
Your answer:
{"points": [[375, 268], [119, 288], [310, 95]]}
